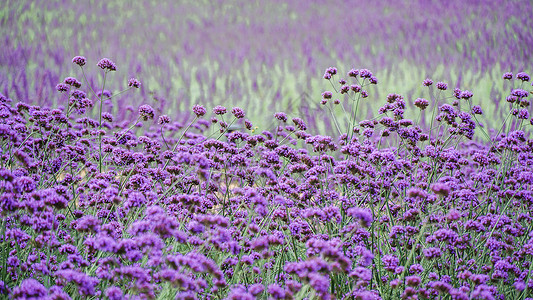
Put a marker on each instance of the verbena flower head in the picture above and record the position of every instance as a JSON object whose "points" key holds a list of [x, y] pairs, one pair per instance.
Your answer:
{"points": [[508, 76], [238, 112], [79, 60], [442, 86], [522, 76], [133, 82], [281, 116], [107, 65], [299, 123], [427, 82], [146, 112], [72, 82], [199, 110], [421, 103], [219, 110], [330, 72], [466, 94], [327, 95], [62, 87], [164, 119]]}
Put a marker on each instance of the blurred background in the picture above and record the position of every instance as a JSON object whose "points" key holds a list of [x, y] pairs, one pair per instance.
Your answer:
{"points": [[264, 56]]}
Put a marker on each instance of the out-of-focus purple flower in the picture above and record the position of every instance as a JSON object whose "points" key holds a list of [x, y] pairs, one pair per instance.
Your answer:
{"points": [[440, 189], [29, 289], [276, 291], [114, 293], [256, 289], [412, 280], [364, 215], [427, 82], [88, 224], [107, 64]]}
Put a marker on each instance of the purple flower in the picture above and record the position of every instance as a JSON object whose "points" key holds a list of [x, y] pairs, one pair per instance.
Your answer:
{"points": [[364, 215], [219, 110], [107, 64], [79, 60], [114, 293], [276, 291], [87, 224], [146, 112], [390, 262], [421, 103], [327, 95], [62, 87], [281, 116], [466, 94], [330, 72], [199, 110], [29, 289], [442, 86], [476, 110], [299, 123], [508, 76], [520, 93], [427, 82], [164, 119], [256, 289], [134, 83], [72, 82], [320, 283], [440, 189], [362, 273], [522, 76], [412, 280], [238, 112]]}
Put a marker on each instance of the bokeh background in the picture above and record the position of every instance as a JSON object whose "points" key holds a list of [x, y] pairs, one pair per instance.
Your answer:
{"points": [[264, 56]]}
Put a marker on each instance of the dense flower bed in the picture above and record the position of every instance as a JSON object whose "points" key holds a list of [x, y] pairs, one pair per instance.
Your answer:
{"points": [[211, 208]]}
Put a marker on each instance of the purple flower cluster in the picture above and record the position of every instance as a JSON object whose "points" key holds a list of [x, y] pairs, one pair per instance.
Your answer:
{"points": [[115, 210]]}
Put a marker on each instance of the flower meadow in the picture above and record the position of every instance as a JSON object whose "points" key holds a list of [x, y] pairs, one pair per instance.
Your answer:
{"points": [[262, 55], [433, 207]]}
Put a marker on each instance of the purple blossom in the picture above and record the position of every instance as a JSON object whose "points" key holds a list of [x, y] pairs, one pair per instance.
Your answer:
{"points": [[238, 112], [146, 112], [199, 110], [133, 82], [30, 289], [79, 60], [107, 65]]}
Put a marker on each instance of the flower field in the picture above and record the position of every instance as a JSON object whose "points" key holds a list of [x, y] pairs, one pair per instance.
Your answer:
{"points": [[276, 150]]}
